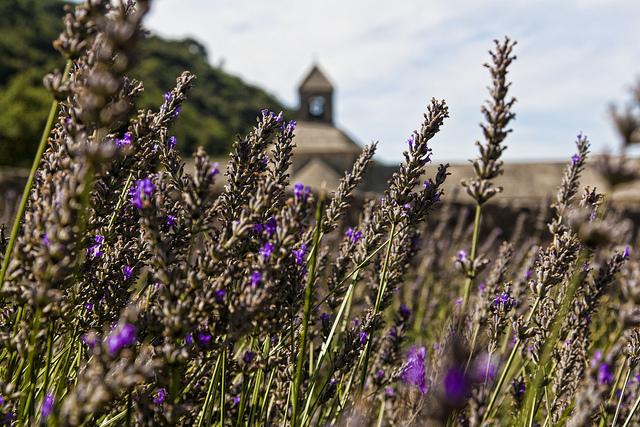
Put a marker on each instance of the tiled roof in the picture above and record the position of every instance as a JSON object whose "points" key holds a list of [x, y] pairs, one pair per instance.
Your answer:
{"points": [[316, 80], [320, 138], [316, 173]]}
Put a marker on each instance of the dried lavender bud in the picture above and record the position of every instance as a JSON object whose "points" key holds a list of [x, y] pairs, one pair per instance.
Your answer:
{"points": [[402, 183], [341, 200], [569, 188], [498, 115]]}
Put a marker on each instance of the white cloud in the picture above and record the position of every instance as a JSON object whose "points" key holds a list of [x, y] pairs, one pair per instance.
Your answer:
{"points": [[387, 59]]}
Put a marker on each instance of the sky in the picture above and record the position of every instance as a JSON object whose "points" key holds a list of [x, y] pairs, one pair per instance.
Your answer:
{"points": [[387, 59]]}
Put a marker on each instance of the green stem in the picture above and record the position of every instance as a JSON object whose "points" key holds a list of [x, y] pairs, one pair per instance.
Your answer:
{"points": [[243, 399], [558, 319], [47, 369], [381, 413], [210, 392], [267, 413], [505, 370], [632, 412], [472, 256], [324, 349], [174, 384], [381, 290], [123, 195], [307, 308], [62, 377], [223, 386], [26, 408], [258, 384], [27, 189], [624, 388]]}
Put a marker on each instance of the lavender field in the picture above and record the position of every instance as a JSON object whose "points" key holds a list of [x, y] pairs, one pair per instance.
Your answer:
{"points": [[137, 294]]}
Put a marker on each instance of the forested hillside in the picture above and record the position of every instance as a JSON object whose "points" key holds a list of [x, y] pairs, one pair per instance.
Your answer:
{"points": [[219, 107]]}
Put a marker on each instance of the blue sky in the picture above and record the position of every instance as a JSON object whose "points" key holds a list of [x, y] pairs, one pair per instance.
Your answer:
{"points": [[388, 59]]}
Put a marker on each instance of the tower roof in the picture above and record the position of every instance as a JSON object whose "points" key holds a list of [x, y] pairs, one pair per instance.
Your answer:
{"points": [[316, 81]]}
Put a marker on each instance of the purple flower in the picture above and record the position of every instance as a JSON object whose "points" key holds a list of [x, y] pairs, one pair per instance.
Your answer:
{"points": [[300, 253], [325, 317], [414, 371], [597, 356], [161, 395], [125, 337], [220, 295], [143, 186], [605, 375], [88, 306], [459, 300], [255, 278], [257, 227], [126, 140], [456, 384], [267, 250], [405, 311], [462, 255], [279, 118], [90, 339], [171, 220], [411, 140], [575, 159], [203, 339], [47, 405], [214, 169], [270, 226], [363, 336], [248, 356], [172, 142], [188, 339], [355, 235], [167, 96], [177, 111], [94, 250], [128, 271], [291, 126], [298, 189], [45, 239], [625, 254]]}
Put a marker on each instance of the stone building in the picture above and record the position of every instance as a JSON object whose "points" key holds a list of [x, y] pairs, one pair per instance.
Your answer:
{"points": [[323, 152]]}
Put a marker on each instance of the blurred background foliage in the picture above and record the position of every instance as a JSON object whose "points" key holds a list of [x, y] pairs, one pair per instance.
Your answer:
{"points": [[219, 107]]}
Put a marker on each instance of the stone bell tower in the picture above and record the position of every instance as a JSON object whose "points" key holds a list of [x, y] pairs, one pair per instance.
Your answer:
{"points": [[316, 98]]}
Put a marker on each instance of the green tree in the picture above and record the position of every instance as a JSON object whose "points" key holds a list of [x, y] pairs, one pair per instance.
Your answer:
{"points": [[220, 106]]}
